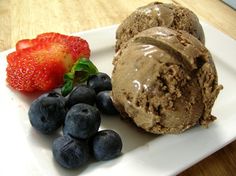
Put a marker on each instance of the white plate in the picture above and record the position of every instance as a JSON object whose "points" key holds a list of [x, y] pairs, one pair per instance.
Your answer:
{"points": [[26, 152]]}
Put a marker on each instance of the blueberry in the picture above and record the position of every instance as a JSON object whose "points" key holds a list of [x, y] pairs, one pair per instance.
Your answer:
{"points": [[105, 104], [47, 113], [99, 82], [69, 152], [107, 145], [81, 94], [82, 121]]}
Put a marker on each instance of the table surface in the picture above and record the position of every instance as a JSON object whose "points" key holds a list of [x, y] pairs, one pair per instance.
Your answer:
{"points": [[27, 18]]}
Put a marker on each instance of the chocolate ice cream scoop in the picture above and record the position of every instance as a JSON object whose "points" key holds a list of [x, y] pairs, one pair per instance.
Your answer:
{"points": [[165, 81], [159, 14]]}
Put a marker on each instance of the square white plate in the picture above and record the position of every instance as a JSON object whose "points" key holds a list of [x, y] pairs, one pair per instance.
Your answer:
{"points": [[26, 152]]}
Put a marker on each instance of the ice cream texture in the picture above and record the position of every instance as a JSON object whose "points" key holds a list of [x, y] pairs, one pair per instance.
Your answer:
{"points": [[165, 81], [159, 14]]}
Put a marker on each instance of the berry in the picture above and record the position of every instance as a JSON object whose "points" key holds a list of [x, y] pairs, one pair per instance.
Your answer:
{"points": [[40, 64], [82, 121], [99, 82], [105, 104], [47, 113], [69, 152], [107, 145], [81, 94]]}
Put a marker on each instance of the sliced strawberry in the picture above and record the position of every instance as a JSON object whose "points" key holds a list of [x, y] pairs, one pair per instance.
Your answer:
{"points": [[40, 64]]}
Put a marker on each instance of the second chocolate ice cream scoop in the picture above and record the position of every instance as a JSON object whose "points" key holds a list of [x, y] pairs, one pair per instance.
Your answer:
{"points": [[159, 14]]}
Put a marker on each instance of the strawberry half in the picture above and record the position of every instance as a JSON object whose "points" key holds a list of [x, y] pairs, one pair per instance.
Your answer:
{"points": [[40, 64]]}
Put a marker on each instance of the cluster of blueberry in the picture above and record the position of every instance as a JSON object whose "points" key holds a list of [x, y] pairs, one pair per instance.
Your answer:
{"points": [[80, 120]]}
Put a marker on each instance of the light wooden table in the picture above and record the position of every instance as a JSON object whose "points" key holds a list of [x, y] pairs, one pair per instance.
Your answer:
{"points": [[26, 19]]}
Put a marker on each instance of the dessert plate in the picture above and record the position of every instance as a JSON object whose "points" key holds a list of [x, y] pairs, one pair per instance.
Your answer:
{"points": [[26, 152]]}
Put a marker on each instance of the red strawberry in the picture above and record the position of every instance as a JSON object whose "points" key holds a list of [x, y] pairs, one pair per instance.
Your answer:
{"points": [[40, 64]]}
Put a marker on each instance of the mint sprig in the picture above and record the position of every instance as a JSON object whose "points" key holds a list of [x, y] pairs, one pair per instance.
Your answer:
{"points": [[81, 70]]}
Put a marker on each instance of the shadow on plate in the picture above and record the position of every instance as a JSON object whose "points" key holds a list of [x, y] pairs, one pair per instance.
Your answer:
{"points": [[132, 136], [24, 96], [87, 168], [40, 140]]}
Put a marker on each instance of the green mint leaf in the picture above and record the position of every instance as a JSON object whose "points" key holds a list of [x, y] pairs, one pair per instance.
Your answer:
{"points": [[69, 76], [85, 65], [67, 87], [79, 73]]}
